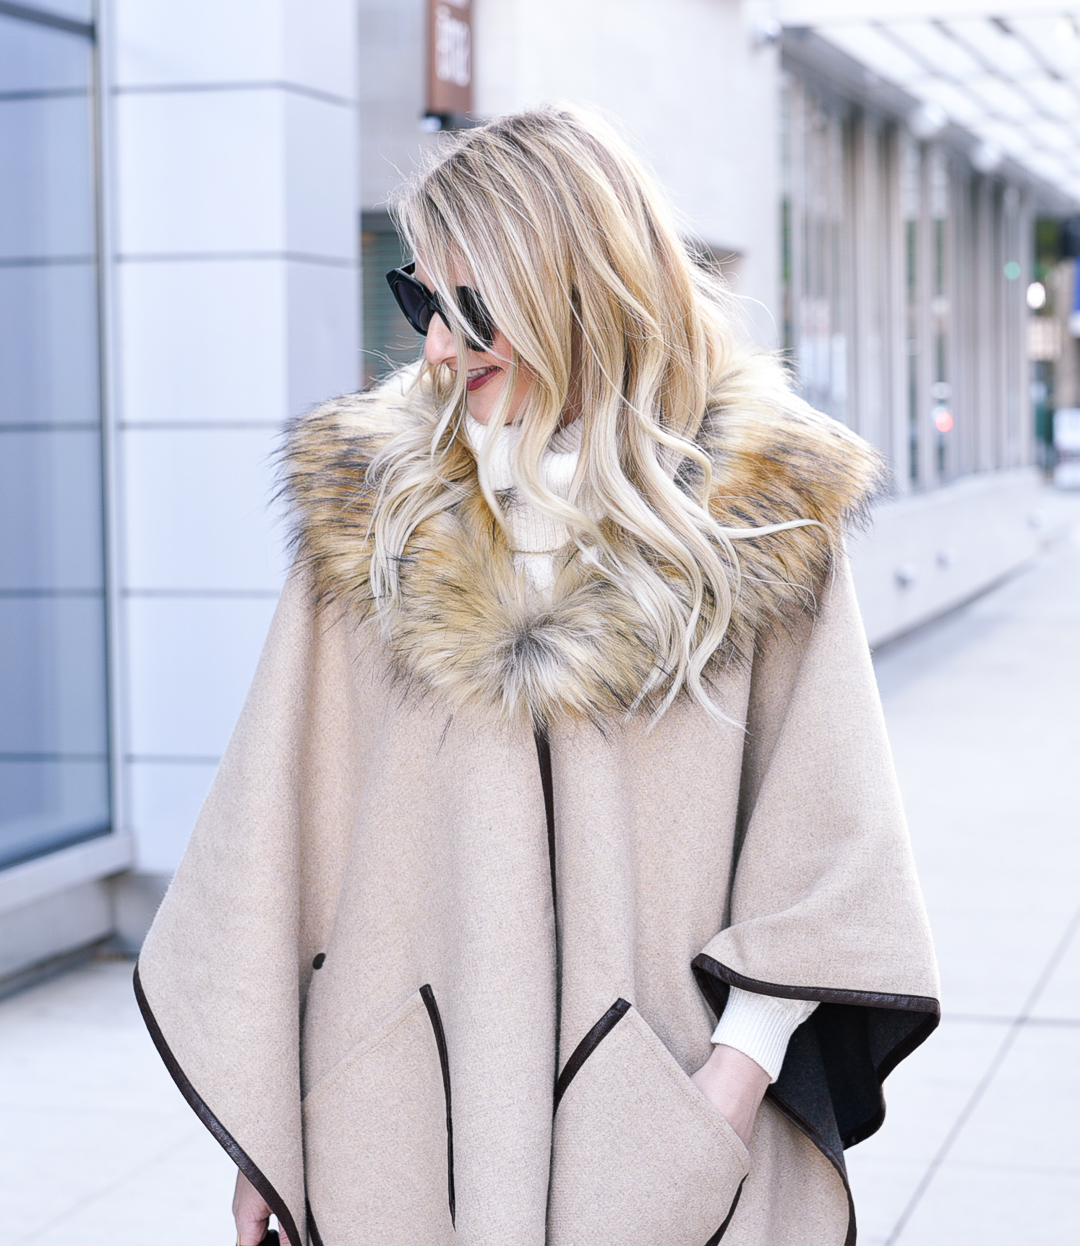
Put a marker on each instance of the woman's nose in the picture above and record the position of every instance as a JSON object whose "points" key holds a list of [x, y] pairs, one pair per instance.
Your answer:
{"points": [[439, 345]]}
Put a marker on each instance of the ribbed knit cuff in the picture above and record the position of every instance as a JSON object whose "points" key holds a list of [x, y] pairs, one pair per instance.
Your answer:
{"points": [[761, 1026]]}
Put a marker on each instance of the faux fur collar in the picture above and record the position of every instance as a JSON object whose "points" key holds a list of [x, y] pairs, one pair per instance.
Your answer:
{"points": [[464, 628]]}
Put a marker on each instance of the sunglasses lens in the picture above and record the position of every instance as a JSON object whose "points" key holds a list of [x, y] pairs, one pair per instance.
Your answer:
{"points": [[412, 299], [476, 315]]}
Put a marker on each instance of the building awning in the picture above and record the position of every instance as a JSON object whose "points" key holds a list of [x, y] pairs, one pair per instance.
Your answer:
{"points": [[1010, 78]]}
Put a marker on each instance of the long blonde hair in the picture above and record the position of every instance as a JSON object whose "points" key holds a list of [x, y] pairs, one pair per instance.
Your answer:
{"points": [[578, 257]]}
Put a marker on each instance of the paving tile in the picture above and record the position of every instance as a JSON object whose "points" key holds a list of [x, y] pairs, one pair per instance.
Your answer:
{"points": [[98, 1145], [981, 713], [88, 1152], [1061, 998], [989, 964], [996, 1207], [1027, 1118], [881, 1189], [178, 1197]]}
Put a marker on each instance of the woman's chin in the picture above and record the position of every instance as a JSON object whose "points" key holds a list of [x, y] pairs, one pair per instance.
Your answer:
{"points": [[480, 408]]}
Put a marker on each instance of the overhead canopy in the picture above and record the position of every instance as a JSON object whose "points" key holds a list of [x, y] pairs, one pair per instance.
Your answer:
{"points": [[1010, 77]]}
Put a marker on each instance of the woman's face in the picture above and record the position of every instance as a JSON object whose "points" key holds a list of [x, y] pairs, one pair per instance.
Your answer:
{"points": [[487, 369]]}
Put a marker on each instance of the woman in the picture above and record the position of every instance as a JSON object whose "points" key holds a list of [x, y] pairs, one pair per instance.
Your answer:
{"points": [[564, 750]]}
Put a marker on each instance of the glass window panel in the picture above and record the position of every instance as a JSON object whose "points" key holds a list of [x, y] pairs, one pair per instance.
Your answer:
{"points": [[819, 278], [52, 677], [38, 59], [54, 773], [50, 510], [46, 178], [48, 804], [910, 193], [48, 344], [77, 10], [389, 341]]}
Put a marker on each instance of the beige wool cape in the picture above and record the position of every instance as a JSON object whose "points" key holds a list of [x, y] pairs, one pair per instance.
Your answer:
{"points": [[454, 927]]}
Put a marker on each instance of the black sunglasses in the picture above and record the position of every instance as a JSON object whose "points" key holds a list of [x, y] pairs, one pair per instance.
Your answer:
{"points": [[418, 304]]}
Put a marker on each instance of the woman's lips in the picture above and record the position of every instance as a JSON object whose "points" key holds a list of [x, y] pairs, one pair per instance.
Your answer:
{"points": [[479, 378]]}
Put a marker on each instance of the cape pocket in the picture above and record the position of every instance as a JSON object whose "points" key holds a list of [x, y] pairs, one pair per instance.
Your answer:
{"points": [[639, 1155], [378, 1153]]}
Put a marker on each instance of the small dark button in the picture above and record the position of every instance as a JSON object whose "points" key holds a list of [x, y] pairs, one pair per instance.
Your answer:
{"points": [[319, 961]]}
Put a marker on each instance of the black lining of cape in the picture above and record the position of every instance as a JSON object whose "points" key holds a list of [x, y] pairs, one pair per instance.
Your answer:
{"points": [[830, 1083], [232, 1148]]}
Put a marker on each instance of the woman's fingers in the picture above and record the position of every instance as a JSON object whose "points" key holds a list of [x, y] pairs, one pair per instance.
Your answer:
{"points": [[251, 1213]]}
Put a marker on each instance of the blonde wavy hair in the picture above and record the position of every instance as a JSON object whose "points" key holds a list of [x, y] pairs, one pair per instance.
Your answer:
{"points": [[578, 257]]}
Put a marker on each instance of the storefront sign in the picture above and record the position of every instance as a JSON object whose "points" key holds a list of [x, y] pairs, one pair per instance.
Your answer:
{"points": [[450, 63]]}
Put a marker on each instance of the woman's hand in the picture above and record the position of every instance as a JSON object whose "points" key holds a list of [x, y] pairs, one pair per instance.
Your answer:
{"points": [[735, 1085], [251, 1213]]}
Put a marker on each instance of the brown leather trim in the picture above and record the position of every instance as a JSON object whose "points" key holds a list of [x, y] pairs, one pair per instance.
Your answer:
{"points": [[823, 994], [588, 1045], [232, 1148], [435, 1017], [714, 1240]]}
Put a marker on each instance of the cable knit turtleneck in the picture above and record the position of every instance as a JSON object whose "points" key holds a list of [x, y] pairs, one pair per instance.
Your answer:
{"points": [[534, 537], [760, 1026]]}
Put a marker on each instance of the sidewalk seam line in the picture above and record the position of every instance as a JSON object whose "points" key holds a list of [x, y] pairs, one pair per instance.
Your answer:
{"points": [[1041, 983]]}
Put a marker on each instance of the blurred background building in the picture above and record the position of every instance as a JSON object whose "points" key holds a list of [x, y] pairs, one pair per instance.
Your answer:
{"points": [[193, 232]]}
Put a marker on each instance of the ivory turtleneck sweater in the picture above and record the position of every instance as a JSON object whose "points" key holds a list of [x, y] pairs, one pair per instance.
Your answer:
{"points": [[760, 1026]]}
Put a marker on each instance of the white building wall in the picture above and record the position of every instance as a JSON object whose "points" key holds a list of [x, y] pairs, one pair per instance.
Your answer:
{"points": [[689, 81], [393, 77], [695, 89], [233, 202]]}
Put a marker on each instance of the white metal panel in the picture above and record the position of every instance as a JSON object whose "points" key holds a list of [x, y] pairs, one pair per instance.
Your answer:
{"points": [[1055, 38], [1011, 138], [999, 98], [932, 45], [877, 51], [958, 102], [1002, 52], [1051, 135], [1056, 99]]}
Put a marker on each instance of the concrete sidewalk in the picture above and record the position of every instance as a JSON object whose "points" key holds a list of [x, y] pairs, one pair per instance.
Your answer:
{"points": [[97, 1147], [982, 1140], [982, 1144]]}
